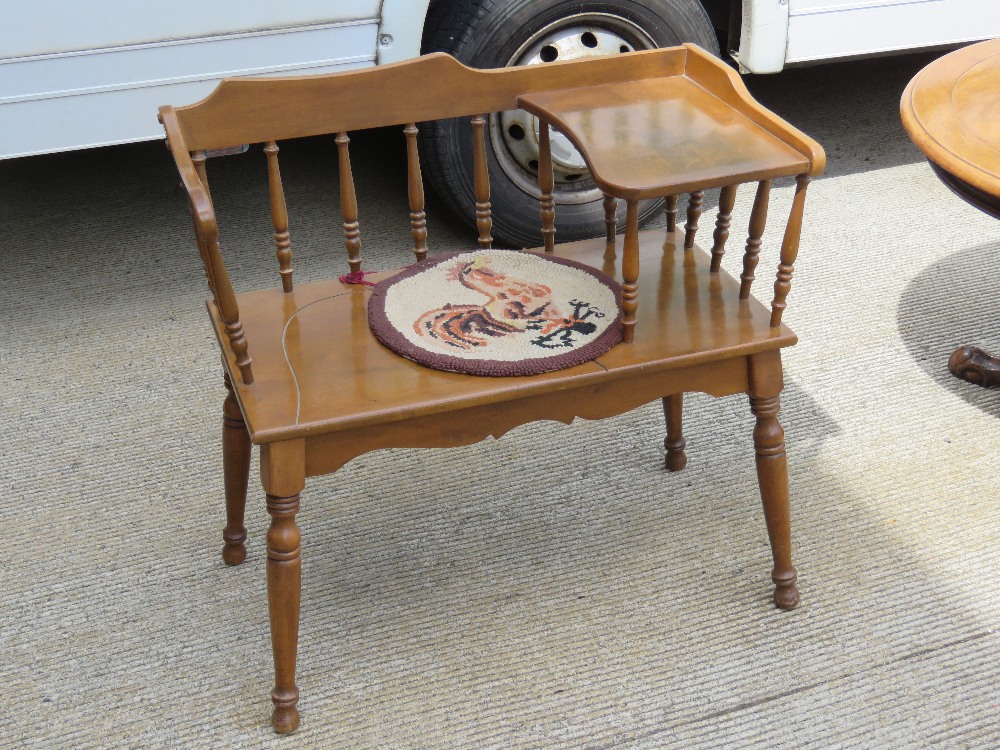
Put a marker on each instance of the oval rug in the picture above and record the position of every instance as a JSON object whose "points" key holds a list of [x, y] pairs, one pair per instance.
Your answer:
{"points": [[497, 312]]}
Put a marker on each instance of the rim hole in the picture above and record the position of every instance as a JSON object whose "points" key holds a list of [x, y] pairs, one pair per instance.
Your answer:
{"points": [[588, 39], [533, 164], [549, 53], [572, 177], [516, 132], [623, 48]]}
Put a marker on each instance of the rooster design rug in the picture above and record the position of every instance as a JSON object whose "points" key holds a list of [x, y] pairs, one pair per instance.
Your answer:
{"points": [[497, 312]]}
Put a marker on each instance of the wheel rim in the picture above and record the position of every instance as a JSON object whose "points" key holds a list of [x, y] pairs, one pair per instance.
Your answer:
{"points": [[515, 132]]}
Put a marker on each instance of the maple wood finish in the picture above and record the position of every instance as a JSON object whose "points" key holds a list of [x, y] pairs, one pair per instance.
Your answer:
{"points": [[309, 383], [950, 110]]}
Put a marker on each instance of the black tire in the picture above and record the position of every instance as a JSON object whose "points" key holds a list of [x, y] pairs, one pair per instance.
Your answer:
{"points": [[497, 33]]}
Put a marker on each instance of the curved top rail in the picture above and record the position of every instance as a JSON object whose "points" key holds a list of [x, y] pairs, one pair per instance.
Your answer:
{"points": [[436, 86]]}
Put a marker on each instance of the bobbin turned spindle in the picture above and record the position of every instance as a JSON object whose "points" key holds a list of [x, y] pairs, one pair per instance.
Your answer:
{"points": [[279, 217], [610, 219], [789, 250], [727, 199], [546, 184], [415, 193], [630, 270], [670, 211], [349, 204], [695, 201], [481, 178], [758, 220]]}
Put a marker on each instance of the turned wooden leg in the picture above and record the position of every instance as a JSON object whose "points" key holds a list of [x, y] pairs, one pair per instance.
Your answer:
{"points": [[236, 471], [675, 443], [973, 365], [772, 472], [283, 474], [695, 201]]}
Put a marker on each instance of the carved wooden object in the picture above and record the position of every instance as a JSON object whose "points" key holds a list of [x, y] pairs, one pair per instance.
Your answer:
{"points": [[758, 221], [415, 192], [349, 204], [326, 391], [973, 365], [283, 476], [236, 472], [673, 407], [229, 310], [279, 217], [546, 184], [630, 270], [610, 218], [727, 199], [789, 250], [670, 210], [772, 472], [481, 176], [198, 158], [695, 201]]}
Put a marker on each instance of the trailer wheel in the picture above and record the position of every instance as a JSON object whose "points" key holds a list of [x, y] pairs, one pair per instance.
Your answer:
{"points": [[502, 33]]}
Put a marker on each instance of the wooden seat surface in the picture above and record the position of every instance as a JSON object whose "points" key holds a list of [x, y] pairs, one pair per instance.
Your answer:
{"points": [[319, 369]]}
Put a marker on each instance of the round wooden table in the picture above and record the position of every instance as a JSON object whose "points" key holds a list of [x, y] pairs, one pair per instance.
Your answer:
{"points": [[951, 110]]}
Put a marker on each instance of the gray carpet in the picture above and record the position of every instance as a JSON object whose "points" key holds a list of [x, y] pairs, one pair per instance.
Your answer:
{"points": [[566, 594]]}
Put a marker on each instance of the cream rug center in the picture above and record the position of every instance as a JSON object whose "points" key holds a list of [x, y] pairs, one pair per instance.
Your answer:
{"points": [[497, 312]]}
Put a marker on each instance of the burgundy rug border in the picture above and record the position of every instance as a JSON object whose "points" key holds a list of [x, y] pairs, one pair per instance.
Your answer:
{"points": [[392, 339]]}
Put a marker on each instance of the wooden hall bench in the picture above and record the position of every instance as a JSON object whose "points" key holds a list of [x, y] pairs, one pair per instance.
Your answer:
{"points": [[309, 383]]}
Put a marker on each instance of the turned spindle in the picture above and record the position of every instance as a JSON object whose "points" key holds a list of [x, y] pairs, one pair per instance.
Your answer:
{"points": [[696, 199], [198, 158], [758, 220], [727, 199], [225, 300], [670, 211], [546, 184], [279, 217], [789, 250], [481, 180], [349, 204], [610, 218], [238, 343], [630, 269], [207, 236], [415, 191]]}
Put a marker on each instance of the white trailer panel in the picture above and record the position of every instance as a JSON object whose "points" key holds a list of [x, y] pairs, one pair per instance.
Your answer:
{"points": [[73, 100], [828, 29]]}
